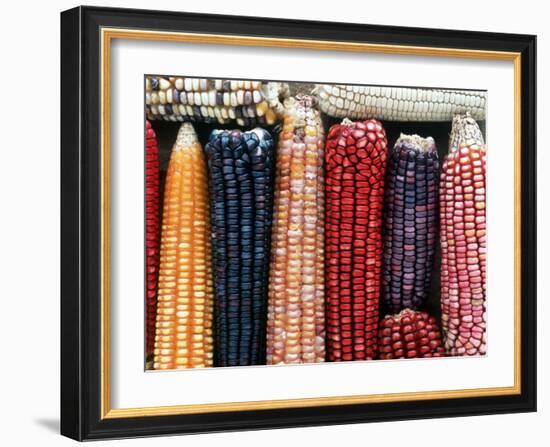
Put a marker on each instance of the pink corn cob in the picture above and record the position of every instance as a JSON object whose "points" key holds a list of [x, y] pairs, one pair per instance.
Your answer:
{"points": [[463, 240]]}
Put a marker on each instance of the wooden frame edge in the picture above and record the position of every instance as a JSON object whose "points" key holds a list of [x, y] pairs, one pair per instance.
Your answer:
{"points": [[106, 36]]}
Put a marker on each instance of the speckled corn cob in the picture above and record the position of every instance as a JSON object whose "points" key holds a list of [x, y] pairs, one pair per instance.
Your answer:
{"points": [[356, 154], [296, 317], [463, 240], [240, 173], [410, 222], [398, 103], [213, 100], [184, 315], [152, 233], [409, 334]]}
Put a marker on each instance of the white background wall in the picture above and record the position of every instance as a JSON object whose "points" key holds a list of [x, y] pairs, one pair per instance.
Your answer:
{"points": [[29, 224]]}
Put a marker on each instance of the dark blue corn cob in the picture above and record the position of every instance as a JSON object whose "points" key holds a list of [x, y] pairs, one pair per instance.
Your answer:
{"points": [[410, 222], [240, 173]]}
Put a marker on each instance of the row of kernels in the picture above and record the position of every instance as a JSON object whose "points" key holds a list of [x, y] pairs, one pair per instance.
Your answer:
{"points": [[207, 98], [152, 231], [351, 92], [154, 83], [242, 115]]}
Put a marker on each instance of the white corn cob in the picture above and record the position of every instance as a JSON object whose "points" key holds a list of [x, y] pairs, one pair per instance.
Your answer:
{"points": [[213, 100], [398, 103], [296, 317]]}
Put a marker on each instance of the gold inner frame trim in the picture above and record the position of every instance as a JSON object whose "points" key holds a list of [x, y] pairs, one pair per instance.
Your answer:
{"points": [[107, 35]]}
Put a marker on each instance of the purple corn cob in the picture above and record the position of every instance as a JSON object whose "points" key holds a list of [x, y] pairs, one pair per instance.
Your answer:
{"points": [[410, 224]]}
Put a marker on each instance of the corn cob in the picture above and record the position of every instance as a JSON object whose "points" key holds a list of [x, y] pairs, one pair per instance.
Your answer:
{"points": [[213, 100], [399, 104], [240, 172], [463, 240], [185, 295], [152, 233], [296, 317], [410, 222], [409, 334], [356, 155]]}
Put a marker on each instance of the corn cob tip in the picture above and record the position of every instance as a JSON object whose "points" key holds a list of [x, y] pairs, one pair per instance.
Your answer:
{"points": [[307, 100], [301, 115], [300, 101], [422, 144], [150, 134], [186, 135], [347, 122], [261, 133], [409, 334], [274, 92], [465, 130]]}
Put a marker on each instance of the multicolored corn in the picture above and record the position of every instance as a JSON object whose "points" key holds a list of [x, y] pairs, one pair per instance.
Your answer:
{"points": [[356, 154], [152, 233], [409, 334], [410, 222], [241, 187], [398, 103], [213, 100], [185, 290], [296, 316], [463, 240]]}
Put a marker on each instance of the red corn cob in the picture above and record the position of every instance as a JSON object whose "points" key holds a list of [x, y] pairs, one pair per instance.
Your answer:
{"points": [[355, 168], [409, 334], [152, 231], [463, 240]]}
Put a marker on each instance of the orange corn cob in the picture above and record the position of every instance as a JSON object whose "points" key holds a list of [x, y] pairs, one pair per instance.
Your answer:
{"points": [[183, 337], [296, 317]]}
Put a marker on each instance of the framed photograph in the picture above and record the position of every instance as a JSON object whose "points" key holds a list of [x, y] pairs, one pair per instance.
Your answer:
{"points": [[276, 223]]}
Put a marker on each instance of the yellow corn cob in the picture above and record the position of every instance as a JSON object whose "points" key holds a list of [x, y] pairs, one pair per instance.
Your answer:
{"points": [[295, 324], [183, 334]]}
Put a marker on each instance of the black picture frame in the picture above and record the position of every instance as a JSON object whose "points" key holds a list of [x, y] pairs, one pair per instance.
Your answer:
{"points": [[81, 208]]}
